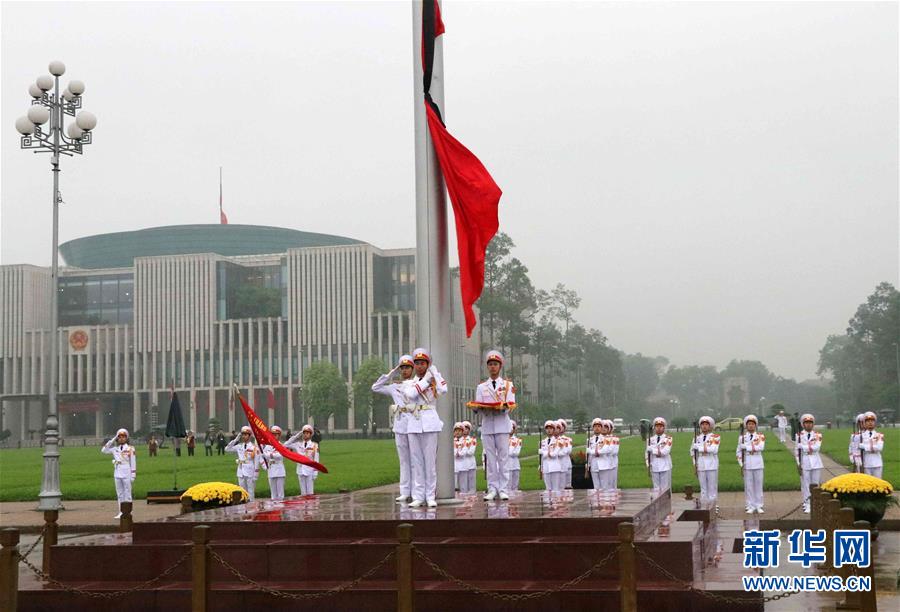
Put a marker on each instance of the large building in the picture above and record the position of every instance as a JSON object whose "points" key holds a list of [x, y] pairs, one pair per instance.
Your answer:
{"points": [[197, 308]]}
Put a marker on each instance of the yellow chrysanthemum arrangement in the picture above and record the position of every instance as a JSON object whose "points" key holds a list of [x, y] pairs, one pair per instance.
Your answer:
{"points": [[857, 483], [869, 496], [214, 494]]}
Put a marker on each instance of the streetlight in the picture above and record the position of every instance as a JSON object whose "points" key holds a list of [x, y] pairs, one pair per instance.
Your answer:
{"points": [[53, 107]]}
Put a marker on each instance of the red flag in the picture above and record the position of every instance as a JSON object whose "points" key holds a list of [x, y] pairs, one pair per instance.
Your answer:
{"points": [[264, 436], [474, 194], [476, 198], [270, 404]]}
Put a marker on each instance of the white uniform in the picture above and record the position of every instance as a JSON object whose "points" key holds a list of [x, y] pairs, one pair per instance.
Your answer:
{"points": [[423, 425], [659, 449], [871, 443], [305, 474], [706, 446], [513, 467], [401, 411], [275, 468], [495, 428], [551, 451], [782, 422], [124, 467], [566, 461], [807, 447], [603, 452], [459, 461], [248, 462], [753, 445]]}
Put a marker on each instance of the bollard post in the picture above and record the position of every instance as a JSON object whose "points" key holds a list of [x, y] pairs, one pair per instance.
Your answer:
{"points": [[813, 495], [236, 498], [405, 579], [186, 501], [126, 520], [833, 514], [200, 569], [824, 496], [9, 570], [51, 535], [867, 599], [627, 568], [851, 599], [688, 491]]}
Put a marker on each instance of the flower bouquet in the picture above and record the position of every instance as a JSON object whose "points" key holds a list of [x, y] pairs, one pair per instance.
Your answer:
{"points": [[869, 497], [214, 495]]}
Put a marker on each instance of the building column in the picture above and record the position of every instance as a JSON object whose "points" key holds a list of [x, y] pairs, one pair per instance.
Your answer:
{"points": [[290, 407], [98, 423], [136, 411], [351, 418], [192, 395]]}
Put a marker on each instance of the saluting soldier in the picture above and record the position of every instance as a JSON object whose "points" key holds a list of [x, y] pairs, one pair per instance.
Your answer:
{"points": [[302, 443], [493, 400], [124, 465], [658, 456], [248, 460], [871, 443], [705, 452], [274, 464], [400, 409], [423, 427], [566, 457], [513, 467], [808, 442], [749, 453]]}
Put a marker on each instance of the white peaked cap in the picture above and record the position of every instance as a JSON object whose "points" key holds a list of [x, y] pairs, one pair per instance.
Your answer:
{"points": [[871, 415], [122, 431], [307, 428], [609, 423], [597, 421], [750, 417], [405, 360], [493, 355], [246, 429], [549, 423], [708, 419], [659, 420], [275, 428], [807, 417], [422, 353]]}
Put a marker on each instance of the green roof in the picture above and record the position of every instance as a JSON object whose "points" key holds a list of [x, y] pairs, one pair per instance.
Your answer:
{"points": [[118, 249]]}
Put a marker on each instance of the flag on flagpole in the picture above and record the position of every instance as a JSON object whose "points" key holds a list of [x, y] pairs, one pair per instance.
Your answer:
{"points": [[474, 194], [223, 219], [264, 436]]}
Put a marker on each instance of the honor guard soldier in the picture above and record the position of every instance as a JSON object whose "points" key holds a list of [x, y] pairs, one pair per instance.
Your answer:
{"points": [[471, 467], [248, 460], [808, 443], [658, 456], [749, 454], [274, 464], [302, 443], [705, 453], [124, 465], [609, 455], [423, 427], [566, 457], [601, 451], [854, 450], [782, 422], [494, 398], [459, 456], [551, 467], [871, 443], [400, 409], [513, 467]]}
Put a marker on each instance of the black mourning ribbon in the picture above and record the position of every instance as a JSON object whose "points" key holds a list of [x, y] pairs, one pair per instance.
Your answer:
{"points": [[428, 38]]}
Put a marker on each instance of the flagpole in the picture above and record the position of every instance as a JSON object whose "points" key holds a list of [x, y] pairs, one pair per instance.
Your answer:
{"points": [[432, 261]]}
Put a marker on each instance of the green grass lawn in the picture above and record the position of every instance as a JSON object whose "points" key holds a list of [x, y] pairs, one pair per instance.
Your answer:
{"points": [[835, 443], [86, 473]]}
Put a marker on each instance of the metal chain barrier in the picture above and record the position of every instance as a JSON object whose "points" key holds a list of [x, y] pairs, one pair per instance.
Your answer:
{"points": [[103, 594], [514, 596], [690, 587], [287, 595], [36, 542], [794, 509]]}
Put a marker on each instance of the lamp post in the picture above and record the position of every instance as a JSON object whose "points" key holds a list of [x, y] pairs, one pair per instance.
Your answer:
{"points": [[49, 105]]}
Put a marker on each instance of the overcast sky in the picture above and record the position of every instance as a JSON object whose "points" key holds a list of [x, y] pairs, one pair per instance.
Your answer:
{"points": [[716, 180]]}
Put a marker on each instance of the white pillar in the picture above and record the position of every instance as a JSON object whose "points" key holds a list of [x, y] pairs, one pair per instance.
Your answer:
{"points": [[432, 263], [193, 411], [136, 411]]}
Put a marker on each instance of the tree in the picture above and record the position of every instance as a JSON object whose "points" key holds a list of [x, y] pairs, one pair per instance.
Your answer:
{"points": [[248, 301], [641, 375], [757, 374], [366, 403], [564, 303], [324, 391], [492, 301], [697, 387]]}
